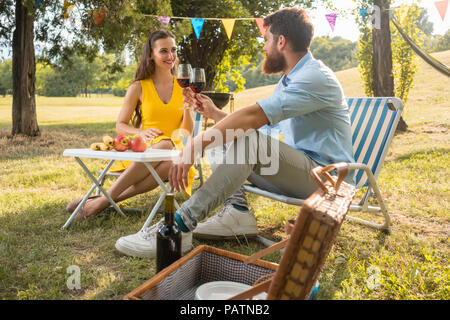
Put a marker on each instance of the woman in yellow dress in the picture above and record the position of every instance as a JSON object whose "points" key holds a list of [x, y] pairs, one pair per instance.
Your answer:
{"points": [[153, 103]]}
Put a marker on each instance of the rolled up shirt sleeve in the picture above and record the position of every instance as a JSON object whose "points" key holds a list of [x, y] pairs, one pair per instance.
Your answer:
{"points": [[300, 96]]}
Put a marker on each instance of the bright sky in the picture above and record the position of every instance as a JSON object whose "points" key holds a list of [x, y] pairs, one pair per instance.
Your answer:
{"points": [[348, 29], [345, 24]]}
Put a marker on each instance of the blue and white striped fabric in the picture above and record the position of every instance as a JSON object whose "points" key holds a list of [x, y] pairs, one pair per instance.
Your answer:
{"points": [[197, 124], [372, 124], [197, 127]]}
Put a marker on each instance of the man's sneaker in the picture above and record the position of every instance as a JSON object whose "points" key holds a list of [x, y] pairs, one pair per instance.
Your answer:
{"points": [[229, 223], [143, 243]]}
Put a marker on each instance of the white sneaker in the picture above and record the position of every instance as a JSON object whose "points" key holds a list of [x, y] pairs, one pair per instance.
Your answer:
{"points": [[229, 223], [143, 243]]}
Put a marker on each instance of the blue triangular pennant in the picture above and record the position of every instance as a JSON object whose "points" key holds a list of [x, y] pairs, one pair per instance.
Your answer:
{"points": [[197, 24], [363, 13]]}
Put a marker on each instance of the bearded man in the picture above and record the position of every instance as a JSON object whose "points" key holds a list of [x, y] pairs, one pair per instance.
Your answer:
{"points": [[308, 106]]}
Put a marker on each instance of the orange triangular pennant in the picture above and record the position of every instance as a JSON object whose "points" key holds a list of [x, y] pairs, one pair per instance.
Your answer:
{"points": [[442, 8], [260, 24]]}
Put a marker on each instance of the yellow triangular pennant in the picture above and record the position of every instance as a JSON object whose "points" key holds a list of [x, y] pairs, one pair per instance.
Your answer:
{"points": [[402, 13], [228, 24], [68, 7]]}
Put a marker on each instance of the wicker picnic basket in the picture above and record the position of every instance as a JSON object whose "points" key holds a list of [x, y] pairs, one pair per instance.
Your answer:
{"points": [[311, 237], [180, 280]]}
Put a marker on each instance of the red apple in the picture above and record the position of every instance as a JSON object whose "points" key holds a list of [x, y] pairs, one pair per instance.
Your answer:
{"points": [[121, 143], [138, 144]]}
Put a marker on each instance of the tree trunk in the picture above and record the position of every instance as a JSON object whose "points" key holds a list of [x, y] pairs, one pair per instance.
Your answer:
{"points": [[383, 78], [205, 53], [24, 119]]}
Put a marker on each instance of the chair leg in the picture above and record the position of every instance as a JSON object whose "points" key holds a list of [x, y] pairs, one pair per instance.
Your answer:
{"points": [[198, 167], [373, 190]]}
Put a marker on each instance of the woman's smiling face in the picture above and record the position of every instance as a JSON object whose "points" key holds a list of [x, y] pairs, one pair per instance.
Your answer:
{"points": [[164, 53]]}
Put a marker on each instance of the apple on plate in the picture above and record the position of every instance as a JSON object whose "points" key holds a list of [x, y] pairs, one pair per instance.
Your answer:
{"points": [[138, 144], [121, 143]]}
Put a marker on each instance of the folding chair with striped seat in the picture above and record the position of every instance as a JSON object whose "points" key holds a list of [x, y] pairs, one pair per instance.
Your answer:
{"points": [[374, 121]]}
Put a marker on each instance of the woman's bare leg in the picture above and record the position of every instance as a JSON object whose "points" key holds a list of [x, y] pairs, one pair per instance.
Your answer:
{"points": [[147, 184]]}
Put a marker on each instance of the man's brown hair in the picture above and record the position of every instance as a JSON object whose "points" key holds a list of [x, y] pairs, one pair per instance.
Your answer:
{"points": [[294, 24]]}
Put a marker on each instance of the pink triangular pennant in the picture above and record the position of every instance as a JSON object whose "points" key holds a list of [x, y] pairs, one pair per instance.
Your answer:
{"points": [[331, 17], [164, 21], [260, 24], [442, 8]]}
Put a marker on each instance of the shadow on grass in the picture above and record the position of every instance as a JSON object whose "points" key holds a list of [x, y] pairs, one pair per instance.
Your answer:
{"points": [[418, 153], [54, 139], [331, 284], [36, 251]]}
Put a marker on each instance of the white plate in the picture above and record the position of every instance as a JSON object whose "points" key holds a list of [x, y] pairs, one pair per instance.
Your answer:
{"points": [[222, 290]]}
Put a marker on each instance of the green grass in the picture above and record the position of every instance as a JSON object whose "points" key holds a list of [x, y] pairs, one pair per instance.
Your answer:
{"points": [[37, 182]]}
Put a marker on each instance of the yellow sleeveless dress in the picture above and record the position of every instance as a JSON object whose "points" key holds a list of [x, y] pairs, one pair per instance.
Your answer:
{"points": [[165, 117]]}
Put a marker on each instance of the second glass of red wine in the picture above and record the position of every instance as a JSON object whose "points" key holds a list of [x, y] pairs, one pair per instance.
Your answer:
{"points": [[198, 80]]}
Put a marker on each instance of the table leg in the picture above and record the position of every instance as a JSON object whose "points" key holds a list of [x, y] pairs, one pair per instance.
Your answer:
{"points": [[96, 184]]}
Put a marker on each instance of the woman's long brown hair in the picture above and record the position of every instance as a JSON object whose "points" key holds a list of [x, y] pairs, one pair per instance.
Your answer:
{"points": [[146, 68]]}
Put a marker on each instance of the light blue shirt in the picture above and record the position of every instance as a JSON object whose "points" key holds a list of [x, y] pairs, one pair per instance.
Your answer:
{"points": [[311, 111]]}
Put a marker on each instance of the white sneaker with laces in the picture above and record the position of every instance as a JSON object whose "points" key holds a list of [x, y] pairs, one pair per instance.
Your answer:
{"points": [[228, 223], [143, 243]]}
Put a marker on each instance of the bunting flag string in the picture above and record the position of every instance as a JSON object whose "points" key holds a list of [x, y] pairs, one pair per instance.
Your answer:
{"points": [[228, 23], [197, 23]]}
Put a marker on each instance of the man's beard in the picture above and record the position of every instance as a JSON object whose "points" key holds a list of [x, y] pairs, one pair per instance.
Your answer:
{"points": [[273, 63]]}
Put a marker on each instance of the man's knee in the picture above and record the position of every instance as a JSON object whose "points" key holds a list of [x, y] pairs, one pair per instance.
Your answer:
{"points": [[244, 149]]}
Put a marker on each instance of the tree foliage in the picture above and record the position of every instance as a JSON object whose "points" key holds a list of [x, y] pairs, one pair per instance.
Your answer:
{"points": [[405, 60], [213, 50], [365, 51], [5, 77], [337, 52]]}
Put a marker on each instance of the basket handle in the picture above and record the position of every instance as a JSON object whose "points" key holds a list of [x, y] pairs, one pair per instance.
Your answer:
{"points": [[341, 167]]}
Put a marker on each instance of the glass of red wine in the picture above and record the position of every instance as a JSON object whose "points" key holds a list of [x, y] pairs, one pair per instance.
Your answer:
{"points": [[184, 76], [198, 80]]}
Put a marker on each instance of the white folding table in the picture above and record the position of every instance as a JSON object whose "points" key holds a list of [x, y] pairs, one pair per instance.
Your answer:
{"points": [[150, 155]]}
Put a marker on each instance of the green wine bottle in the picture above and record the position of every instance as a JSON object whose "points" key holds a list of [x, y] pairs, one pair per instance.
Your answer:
{"points": [[168, 237]]}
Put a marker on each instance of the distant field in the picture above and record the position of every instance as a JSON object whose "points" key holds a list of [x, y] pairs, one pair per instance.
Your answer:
{"points": [[64, 110], [422, 97], [105, 108], [37, 182]]}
